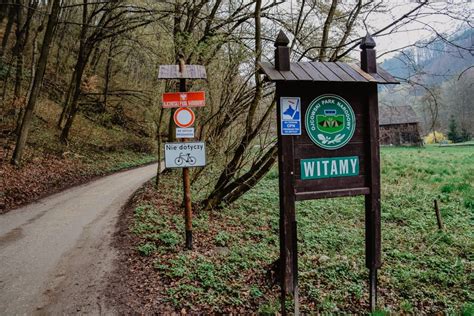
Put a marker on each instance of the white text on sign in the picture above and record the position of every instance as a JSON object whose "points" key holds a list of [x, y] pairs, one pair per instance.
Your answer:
{"points": [[184, 99]]}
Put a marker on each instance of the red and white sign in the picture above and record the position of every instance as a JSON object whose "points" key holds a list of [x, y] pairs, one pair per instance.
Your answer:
{"points": [[184, 117], [184, 99]]}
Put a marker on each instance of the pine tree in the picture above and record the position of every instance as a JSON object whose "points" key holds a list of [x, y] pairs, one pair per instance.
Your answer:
{"points": [[453, 133]]}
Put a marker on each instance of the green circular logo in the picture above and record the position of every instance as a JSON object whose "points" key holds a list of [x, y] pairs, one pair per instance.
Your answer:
{"points": [[330, 121]]}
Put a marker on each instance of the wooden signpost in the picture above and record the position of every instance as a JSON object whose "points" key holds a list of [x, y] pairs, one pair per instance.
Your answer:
{"points": [[184, 156], [336, 151]]}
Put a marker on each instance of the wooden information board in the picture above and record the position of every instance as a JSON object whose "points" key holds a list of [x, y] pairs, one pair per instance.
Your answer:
{"points": [[336, 151]]}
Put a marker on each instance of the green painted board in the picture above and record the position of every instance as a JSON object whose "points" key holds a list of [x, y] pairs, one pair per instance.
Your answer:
{"points": [[320, 168]]}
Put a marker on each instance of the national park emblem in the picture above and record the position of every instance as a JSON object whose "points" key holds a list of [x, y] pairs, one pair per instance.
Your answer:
{"points": [[330, 121]]}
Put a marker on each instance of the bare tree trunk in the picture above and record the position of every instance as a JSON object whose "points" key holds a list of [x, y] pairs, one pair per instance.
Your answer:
{"points": [[8, 30], [158, 136], [80, 67], [18, 49], [327, 26], [22, 34], [37, 82], [226, 178], [83, 55], [33, 73], [108, 71], [67, 98]]}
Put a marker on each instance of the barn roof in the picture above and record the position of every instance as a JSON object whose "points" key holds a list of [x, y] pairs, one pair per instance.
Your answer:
{"points": [[326, 71], [403, 114]]}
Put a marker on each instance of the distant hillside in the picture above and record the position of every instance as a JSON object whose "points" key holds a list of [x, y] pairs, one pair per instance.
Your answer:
{"points": [[436, 60]]}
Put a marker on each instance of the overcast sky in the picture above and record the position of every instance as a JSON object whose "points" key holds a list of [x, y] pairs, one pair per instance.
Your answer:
{"points": [[417, 30], [431, 15]]}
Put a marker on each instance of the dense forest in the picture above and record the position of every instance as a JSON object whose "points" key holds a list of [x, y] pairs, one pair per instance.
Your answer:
{"points": [[80, 77]]}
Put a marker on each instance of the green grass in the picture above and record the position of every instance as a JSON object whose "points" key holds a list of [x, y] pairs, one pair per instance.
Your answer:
{"points": [[424, 270]]}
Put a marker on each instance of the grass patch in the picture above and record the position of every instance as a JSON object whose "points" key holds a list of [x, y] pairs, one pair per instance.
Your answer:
{"points": [[424, 270]]}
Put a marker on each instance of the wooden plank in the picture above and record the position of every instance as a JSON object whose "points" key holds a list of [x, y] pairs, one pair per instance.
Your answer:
{"points": [[331, 183], [354, 74], [190, 72], [299, 72], [362, 73], [167, 71], [372, 201], [301, 196], [378, 78], [386, 75], [330, 76], [338, 71], [314, 74], [288, 75], [194, 72], [271, 72]]}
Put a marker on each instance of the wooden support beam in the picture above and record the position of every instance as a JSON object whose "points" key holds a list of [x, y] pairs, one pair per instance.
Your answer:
{"points": [[288, 239]]}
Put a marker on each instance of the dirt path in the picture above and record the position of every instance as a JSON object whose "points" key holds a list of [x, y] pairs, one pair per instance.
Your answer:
{"points": [[54, 254]]}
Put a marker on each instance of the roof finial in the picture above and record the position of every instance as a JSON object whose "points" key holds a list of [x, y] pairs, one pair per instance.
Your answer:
{"points": [[282, 39], [367, 42]]}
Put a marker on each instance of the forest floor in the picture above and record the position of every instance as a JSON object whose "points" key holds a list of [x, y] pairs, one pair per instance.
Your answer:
{"points": [[43, 174], [48, 166], [424, 270]]}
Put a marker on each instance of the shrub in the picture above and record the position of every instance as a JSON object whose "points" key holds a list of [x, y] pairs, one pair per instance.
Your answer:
{"points": [[434, 138]]}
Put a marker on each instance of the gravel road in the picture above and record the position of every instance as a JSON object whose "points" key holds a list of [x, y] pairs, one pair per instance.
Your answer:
{"points": [[56, 253]]}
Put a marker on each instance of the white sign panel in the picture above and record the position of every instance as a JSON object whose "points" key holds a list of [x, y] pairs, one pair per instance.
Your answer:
{"points": [[180, 155], [290, 116], [185, 132]]}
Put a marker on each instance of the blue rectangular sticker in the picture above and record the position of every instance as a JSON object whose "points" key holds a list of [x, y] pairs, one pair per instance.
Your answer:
{"points": [[290, 115]]}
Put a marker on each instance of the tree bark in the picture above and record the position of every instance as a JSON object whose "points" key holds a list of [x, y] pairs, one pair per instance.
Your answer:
{"points": [[327, 26], [108, 71], [37, 82], [83, 56], [8, 30], [80, 67], [65, 109]]}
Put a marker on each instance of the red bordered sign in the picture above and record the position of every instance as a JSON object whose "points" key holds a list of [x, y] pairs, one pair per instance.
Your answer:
{"points": [[184, 99], [184, 117]]}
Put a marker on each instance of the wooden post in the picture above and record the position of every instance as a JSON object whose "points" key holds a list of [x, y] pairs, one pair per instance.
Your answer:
{"points": [[282, 52], [288, 239], [439, 220], [188, 212], [372, 200]]}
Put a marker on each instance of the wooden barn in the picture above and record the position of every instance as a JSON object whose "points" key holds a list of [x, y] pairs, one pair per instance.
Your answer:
{"points": [[399, 125]]}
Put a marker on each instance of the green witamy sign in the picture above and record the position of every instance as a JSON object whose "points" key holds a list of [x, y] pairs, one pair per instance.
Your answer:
{"points": [[330, 121], [320, 168]]}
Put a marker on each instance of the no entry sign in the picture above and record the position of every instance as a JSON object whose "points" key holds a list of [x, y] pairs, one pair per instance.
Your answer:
{"points": [[184, 117], [184, 99]]}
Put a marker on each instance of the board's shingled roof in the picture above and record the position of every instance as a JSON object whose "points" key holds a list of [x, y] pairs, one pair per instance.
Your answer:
{"points": [[403, 114], [326, 71], [190, 72]]}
